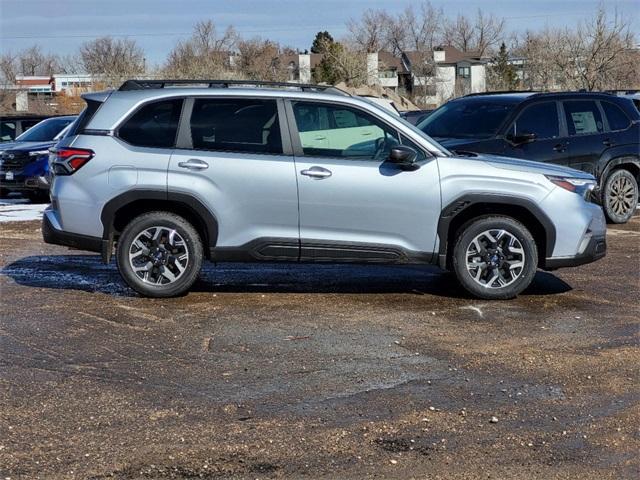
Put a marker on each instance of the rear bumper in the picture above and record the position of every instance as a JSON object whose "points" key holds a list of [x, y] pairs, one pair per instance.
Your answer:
{"points": [[595, 250], [53, 234]]}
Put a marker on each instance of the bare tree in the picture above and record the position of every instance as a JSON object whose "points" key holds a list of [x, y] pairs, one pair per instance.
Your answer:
{"points": [[369, 34], [598, 54], [481, 35], [112, 60], [259, 59], [489, 33], [424, 27], [459, 33], [8, 68], [205, 54]]}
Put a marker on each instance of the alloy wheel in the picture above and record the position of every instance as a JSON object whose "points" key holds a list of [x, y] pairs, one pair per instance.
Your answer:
{"points": [[158, 255], [495, 258], [621, 195]]}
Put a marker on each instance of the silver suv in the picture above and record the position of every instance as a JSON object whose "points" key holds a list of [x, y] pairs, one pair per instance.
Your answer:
{"points": [[174, 172]]}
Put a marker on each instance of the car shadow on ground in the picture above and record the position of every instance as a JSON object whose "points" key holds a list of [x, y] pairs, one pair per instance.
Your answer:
{"points": [[88, 273]]}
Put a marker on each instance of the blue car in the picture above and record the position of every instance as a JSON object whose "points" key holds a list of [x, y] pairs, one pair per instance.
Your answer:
{"points": [[24, 163]]}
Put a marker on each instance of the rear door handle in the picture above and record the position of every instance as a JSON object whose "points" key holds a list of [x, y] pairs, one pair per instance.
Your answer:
{"points": [[194, 164], [608, 143], [317, 172]]}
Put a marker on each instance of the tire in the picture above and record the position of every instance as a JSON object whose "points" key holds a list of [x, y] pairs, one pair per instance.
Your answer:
{"points": [[4, 193], [620, 196], [157, 243], [514, 245]]}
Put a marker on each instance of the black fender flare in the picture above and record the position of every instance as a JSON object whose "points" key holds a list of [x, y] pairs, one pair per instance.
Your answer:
{"points": [[462, 203], [190, 202], [625, 159]]}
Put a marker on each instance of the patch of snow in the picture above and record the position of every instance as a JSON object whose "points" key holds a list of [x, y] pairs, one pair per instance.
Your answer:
{"points": [[16, 211]]}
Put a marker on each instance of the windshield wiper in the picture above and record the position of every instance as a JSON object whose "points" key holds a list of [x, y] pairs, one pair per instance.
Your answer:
{"points": [[465, 153]]}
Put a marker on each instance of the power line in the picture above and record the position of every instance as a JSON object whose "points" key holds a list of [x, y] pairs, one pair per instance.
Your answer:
{"points": [[164, 34], [261, 30]]}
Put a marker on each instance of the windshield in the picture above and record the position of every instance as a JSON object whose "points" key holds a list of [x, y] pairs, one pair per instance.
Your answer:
{"points": [[415, 129], [45, 131], [63, 132], [466, 119]]}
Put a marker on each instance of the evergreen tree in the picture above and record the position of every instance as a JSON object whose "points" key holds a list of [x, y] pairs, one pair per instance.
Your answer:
{"points": [[319, 42], [504, 73]]}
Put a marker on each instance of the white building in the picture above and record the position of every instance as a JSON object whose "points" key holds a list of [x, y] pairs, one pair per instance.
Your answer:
{"points": [[71, 83], [445, 73]]}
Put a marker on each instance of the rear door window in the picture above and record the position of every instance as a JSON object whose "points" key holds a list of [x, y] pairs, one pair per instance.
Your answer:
{"points": [[153, 125], [616, 118], [583, 117], [236, 125], [541, 119]]}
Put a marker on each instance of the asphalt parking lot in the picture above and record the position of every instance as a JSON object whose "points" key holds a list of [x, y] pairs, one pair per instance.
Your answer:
{"points": [[285, 371]]}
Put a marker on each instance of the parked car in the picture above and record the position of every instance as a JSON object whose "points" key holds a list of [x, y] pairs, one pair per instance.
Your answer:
{"points": [[597, 133], [25, 166], [172, 176], [415, 116], [12, 126]]}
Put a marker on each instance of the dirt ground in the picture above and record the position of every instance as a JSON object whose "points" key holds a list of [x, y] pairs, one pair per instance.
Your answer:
{"points": [[284, 371]]}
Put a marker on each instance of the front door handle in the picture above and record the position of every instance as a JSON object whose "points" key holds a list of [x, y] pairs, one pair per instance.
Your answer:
{"points": [[317, 172], [194, 164], [561, 147]]}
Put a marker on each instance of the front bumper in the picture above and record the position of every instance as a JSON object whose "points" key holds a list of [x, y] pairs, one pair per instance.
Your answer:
{"points": [[21, 183], [595, 250]]}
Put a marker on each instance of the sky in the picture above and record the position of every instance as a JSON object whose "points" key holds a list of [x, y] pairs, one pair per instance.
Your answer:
{"points": [[60, 26]]}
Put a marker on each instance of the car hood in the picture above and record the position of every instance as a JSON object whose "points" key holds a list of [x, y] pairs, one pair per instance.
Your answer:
{"points": [[455, 143], [517, 164], [26, 146]]}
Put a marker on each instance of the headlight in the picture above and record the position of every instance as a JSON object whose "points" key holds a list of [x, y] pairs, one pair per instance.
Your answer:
{"points": [[38, 153], [581, 186]]}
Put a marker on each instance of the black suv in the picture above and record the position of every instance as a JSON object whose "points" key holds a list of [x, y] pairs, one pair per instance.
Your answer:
{"points": [[598, 133]]}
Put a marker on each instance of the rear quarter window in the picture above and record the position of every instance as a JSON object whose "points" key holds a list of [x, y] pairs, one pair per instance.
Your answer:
{"points": [[617, 119], [153, 125]]}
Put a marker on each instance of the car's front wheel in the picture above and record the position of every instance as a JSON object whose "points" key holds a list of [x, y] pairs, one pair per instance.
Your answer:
{"points": [[159, 254], [620, 196], [494, 257]]}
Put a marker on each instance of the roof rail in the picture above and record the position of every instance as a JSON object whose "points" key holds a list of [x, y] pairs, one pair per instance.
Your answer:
{"points": [[151, 84], [538, 92], [499, 92]]}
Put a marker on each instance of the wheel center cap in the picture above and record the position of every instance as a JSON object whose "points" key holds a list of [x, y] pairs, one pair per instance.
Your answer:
{"points": [[159, 257]]}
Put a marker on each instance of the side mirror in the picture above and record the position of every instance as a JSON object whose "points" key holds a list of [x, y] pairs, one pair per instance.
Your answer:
{"points": [[403, 157], [521, 138]]}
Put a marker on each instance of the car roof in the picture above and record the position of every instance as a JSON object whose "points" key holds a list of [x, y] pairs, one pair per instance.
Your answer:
{"points": [[517, 97], [118, 104]]}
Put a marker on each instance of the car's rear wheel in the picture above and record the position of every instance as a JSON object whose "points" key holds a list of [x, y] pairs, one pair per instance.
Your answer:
{"points": [[494, 257], [159, 254], [620, 196]]}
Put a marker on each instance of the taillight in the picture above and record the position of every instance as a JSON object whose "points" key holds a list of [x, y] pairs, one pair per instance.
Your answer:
{"points": [[70, 160]]}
